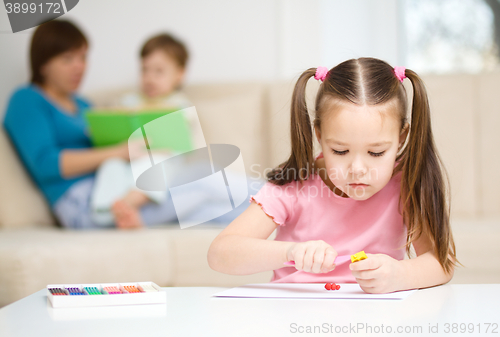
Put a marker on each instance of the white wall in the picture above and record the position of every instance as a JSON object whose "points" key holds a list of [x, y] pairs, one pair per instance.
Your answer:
{"points": [[228, 40], [361, 28]]}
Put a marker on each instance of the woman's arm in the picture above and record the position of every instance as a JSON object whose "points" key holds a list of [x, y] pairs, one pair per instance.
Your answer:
{"points": [[242, 247], [74, 162], [424, 270]]}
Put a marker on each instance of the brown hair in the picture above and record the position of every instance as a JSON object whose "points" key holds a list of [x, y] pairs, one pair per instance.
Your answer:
{"points": [[49, 40], [168, 44], [424, 181]]}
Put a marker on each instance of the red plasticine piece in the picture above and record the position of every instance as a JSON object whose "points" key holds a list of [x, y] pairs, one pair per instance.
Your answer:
{"points": [[332, 286]]}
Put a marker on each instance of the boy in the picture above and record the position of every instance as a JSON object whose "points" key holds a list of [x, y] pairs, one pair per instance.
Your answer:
{"points": [[163, 66]]}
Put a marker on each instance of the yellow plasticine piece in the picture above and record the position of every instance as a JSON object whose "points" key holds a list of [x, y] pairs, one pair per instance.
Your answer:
{"points": [[358, 256]]}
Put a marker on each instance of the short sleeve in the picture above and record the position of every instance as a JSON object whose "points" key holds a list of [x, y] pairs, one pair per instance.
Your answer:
{"points": [[276, 201]]}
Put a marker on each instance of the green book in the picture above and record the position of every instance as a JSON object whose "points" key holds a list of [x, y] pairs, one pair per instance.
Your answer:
{"points": [[109, 127]]}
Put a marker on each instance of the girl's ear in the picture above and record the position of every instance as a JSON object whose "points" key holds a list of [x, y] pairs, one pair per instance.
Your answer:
{"points": [[318, 134], [404, 134]]}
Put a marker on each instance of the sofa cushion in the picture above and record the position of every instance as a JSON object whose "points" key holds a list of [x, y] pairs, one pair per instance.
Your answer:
{"points": [[21, 202], [454, 107], [32, 258], [191, 267], [229, 113], [476, 242], [233, 114], [486, 147]]}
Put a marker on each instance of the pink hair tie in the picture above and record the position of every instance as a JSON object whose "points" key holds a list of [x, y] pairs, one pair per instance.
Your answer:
{"points": [[321, 73], [400, 73]]}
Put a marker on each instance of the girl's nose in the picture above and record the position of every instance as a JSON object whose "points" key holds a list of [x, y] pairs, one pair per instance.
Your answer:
{"points": [[358, 169]]}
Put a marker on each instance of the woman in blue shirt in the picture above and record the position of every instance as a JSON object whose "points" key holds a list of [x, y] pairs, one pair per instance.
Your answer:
{"points": [[45, 121]]}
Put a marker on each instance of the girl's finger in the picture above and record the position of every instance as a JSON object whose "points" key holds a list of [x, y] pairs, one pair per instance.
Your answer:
{"points": [[308, 260], [371, 283], [364, 274], [319, 257], [329, 261]]}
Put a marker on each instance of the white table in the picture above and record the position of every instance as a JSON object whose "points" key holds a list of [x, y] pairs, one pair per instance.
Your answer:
{"points": [[194, 312]]}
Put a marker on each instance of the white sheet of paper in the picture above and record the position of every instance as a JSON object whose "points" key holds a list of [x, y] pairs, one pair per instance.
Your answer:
{"points": [[308, 290]]}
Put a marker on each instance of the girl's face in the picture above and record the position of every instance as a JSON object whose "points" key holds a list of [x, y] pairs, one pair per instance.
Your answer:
{"points": [[360, 144], [64, 72], [160, 74]]}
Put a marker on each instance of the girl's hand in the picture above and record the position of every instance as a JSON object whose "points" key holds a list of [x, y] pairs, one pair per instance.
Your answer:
{"points": [[378, 273], [312, 256]]}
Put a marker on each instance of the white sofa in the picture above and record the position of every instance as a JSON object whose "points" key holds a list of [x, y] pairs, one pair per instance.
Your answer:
{"points": [[254, 117]]}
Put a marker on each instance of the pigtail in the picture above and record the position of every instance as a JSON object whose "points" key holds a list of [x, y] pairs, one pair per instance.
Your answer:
{"points": [[301, 162], [424, 182]]}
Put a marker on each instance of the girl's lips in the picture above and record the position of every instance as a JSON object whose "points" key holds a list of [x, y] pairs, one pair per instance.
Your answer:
{"points": [[358, 185]]}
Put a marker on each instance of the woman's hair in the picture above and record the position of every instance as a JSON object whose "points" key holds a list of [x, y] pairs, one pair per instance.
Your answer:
{"points": [[424, 182], [49, 40], [169, 45]]}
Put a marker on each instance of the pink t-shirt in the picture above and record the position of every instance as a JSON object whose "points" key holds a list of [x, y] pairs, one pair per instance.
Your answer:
{"points": [[314, 212]]}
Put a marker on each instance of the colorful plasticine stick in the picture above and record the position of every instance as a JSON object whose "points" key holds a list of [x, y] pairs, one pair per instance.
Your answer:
{"points": [[340, 258]]}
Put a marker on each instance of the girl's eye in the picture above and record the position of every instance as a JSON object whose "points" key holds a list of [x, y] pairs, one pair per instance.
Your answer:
{"points": [[374, 154], [377, 154], [339, 152]]}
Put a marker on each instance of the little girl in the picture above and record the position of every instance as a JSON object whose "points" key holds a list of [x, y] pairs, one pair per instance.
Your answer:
{"points": [[364, 191]]}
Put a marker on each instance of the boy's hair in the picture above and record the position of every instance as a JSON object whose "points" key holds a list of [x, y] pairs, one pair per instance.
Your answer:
{"points": [[168, 44], [424, 181], [49, 40]]}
